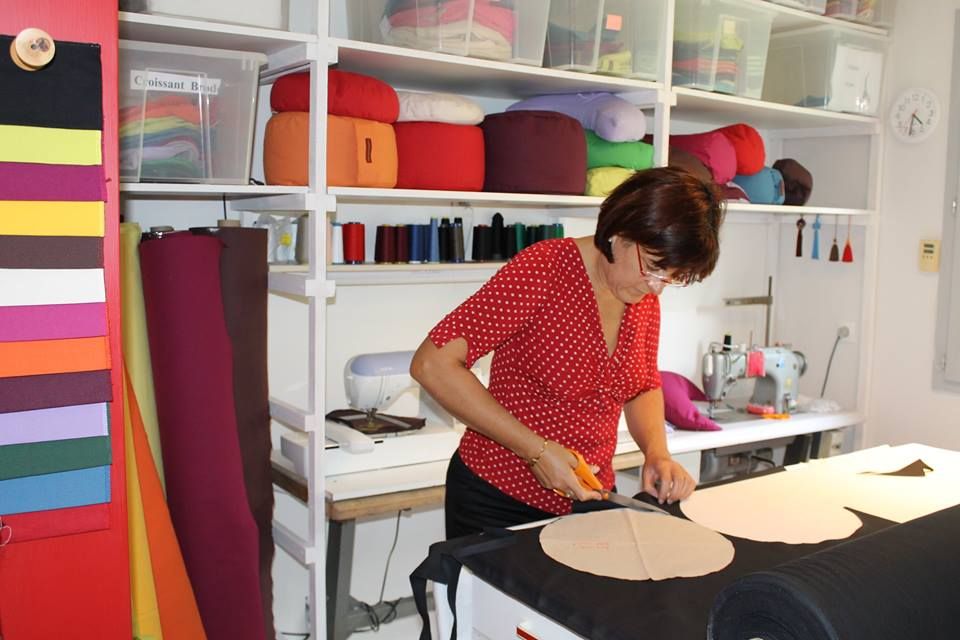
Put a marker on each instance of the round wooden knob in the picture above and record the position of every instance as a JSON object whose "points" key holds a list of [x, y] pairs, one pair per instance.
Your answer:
{"points": [[32, 49]]}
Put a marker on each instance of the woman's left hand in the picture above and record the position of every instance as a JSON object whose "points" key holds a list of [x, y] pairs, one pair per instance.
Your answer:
{"points": [[666, 480]]}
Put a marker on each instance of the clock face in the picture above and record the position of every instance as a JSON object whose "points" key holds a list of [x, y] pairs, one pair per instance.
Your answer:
{"points": [[914, 115]]}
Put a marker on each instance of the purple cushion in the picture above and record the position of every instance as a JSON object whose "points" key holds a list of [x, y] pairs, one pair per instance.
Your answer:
{"points": [[610, 117], [678, 394]]}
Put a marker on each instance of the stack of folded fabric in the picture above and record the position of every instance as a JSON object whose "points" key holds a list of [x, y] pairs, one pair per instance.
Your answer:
{"points": [[613, 129], [448, 25], [172, 138], [693, 59], [361, 145], [439, 145]]}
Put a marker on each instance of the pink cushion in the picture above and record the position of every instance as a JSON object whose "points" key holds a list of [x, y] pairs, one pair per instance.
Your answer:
{"points": [[678, 394], [713, 149]]}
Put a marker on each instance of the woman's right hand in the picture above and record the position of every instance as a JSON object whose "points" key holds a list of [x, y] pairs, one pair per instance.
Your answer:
{"points": [[554, 470]]}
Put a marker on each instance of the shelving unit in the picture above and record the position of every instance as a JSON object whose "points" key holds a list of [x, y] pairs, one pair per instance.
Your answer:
{"points": [[315, 283]]}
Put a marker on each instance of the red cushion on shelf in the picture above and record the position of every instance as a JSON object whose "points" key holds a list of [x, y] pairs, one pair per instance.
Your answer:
{"points": [[713, 149], [535, 152], [751, 154], [435, 155], [349, 94]]}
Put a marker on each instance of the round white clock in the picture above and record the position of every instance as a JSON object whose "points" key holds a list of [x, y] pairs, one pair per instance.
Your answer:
{"points": [[914, 115]]}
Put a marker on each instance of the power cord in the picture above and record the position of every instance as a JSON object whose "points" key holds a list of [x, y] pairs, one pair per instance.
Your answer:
{"points": [[842, 332], [391, 615]]}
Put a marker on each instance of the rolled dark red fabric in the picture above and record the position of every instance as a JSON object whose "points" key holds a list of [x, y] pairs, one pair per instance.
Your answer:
{"points": [[534, 152], [50, 252], [193, 374], [51, 182], [54, 390], [348, 94], [243, 284]]}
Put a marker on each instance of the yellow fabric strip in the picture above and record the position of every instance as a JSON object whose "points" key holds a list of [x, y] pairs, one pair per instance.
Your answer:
{"points": [[143, 591], [136, 348], [51, 218], [46, 145]]}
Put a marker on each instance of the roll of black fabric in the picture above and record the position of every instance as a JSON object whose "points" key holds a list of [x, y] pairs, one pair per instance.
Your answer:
{"points": [[901, 582]]}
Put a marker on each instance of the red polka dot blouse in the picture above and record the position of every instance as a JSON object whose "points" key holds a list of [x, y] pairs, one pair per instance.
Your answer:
{"points": [[551, 369]]}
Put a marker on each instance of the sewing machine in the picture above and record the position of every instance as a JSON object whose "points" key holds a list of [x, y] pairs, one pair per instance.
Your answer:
{"points": [[777, 371], [363, 438]]}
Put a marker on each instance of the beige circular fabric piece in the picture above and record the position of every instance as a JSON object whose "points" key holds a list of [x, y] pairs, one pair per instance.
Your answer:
{"points": [[630, 545]]}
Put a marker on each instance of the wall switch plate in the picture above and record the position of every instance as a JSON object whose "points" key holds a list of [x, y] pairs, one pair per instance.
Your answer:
{"points": [[930, 255]]}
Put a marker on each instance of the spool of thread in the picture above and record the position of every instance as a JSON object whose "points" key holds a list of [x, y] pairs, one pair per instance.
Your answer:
{"points": [[482, 243], [433, 242], [515, 239], [415, 247], [498, 239], [544, 232], [353, 243], [558, 230], [458, 249], [378, 244], [530, 235], [336, 247], [389, 243], [446, 240], [402, 245]]}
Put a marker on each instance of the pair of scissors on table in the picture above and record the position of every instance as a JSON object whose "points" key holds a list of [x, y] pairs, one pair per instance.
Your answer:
{"points": [[589, 481]]}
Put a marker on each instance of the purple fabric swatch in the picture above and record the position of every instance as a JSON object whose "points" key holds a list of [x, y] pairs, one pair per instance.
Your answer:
{"points": [[63, 423], [51, 182], [53, 321], [54, 390]]}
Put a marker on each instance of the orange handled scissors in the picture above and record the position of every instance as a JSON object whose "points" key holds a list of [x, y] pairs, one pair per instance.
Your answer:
{"points": [[589, 481]]}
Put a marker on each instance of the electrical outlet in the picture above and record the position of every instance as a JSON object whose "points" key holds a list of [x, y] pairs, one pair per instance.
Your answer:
{"points": [[851, 328]]}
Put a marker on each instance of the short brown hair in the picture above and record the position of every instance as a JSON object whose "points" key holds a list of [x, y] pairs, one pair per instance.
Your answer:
{"points": [[671, 214]]}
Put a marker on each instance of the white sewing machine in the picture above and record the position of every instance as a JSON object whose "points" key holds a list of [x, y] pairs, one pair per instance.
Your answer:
{"points": [[777, 372], [377, 382]]}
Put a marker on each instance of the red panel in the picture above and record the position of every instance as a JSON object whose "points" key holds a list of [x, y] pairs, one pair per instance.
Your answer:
{"points": [[77, 585]]}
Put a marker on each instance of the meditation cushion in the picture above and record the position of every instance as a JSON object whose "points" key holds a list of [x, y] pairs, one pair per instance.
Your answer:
{"points": [[763, 187], [601, 181], [630, 155], [713, 149], [534, 152], [348, 94], [749, 147], [797, 181], [610, 117], [360, 153], [434, 155], [679, 410], [438, 107]]}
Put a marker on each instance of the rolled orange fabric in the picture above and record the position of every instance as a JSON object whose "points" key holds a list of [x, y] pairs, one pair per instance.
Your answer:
{"points": [[39, 357]]}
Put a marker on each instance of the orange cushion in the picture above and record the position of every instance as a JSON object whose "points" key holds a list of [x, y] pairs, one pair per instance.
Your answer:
{"points": [[360, 153]]}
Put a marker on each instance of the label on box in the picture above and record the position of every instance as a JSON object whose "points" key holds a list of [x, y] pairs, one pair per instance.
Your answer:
{"points": [[855, 81], [174, 82]]}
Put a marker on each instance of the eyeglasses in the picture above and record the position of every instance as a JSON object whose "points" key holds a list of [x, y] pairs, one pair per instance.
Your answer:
{"points": [[656, 278]]}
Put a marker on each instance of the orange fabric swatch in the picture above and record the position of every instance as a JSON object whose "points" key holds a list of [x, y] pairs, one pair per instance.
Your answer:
{"points": [[39, 357], [179, 615]]}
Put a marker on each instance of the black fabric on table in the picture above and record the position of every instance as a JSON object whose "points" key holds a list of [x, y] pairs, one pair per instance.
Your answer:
{"points": [[66, 95], [897, 583]]}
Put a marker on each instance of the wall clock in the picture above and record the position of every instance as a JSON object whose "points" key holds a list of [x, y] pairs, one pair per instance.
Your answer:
{"points": [[914, 115]]}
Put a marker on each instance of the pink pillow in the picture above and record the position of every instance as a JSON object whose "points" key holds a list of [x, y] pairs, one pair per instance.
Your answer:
{"points": [[678, 394]]}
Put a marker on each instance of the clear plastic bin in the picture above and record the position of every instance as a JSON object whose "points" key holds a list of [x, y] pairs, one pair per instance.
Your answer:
{"points": [[632, 38], [826, 67], [504, 30], [843, 9], [875, 12], [573, 35], [813, 6], [721, 45], [186, 113]]}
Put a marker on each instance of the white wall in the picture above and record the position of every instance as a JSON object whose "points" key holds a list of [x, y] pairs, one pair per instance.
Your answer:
{"points": [[903, 406]]}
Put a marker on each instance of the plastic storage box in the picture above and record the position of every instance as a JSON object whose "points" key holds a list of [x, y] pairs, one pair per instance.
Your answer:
{"points": [[505, 30], [721, 45], [843, 9], [632, 38], [813, 6], [573, 35], [186, 113], [827, 68]]}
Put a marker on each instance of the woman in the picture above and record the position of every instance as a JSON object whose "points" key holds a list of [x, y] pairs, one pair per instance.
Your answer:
{"points": [[574, 325]]}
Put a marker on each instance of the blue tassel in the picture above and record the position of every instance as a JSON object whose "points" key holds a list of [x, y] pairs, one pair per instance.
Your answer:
{"points": [[816, 239]]}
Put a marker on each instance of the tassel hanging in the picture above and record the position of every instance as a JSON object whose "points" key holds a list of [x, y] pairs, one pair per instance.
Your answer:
{"points": [[801, 223], [815, 253], [848, 248], [835, 250]]}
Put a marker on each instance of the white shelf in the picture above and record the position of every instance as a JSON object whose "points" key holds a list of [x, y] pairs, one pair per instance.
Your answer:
{"points": [[170, 189], [382, 274], [361, 195], [704, 106], [428, 71], [201, 33], [791, 210]]}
